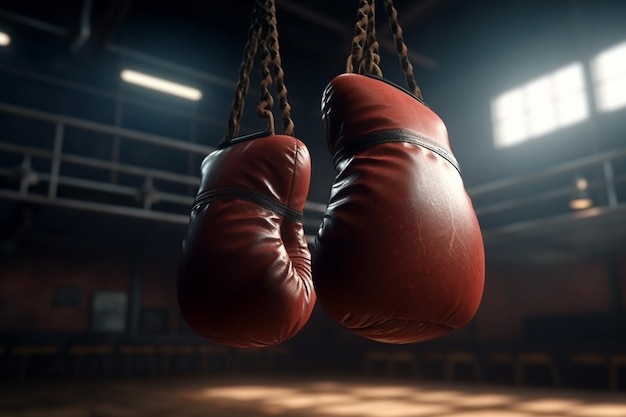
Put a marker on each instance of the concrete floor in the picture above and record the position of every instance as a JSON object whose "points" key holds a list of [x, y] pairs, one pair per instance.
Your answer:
{"points": [[238, 397]]}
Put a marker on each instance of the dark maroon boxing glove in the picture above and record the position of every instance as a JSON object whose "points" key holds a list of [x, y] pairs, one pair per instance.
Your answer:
{"points": [[245, 275], [399, 256]]}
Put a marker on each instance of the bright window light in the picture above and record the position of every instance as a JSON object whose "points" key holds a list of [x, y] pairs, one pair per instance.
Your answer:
{"points": [[540, 106], [162, 85], [609, 74], [4, 39]]}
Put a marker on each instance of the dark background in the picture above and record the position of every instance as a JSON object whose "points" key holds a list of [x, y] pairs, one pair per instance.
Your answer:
{"points": [[555, 278]]}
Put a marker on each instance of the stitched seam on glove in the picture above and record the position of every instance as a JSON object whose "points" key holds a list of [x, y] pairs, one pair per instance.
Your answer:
{"points": [[277, 207], [296, 151], [389, 136]]}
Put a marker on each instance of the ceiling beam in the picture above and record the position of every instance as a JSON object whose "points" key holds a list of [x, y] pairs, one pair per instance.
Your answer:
{"points": [[34, 23], [83, 31], [420, 11], [116, 12], [345, 29]]}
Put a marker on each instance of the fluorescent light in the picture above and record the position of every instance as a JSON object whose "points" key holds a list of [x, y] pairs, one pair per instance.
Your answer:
{"points": [[4, 39], [162, 85]]}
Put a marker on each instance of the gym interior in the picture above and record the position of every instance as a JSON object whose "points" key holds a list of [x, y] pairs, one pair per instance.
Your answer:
{"points": [[108, 108]]}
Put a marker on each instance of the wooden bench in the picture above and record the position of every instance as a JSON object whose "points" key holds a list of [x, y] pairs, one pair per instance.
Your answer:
{"points": [[277, 355], [391, 361], [616, 362], [452, 359], [26, 352], [168, 351], [130, 352], [538, 359], [79, 352], [208, 351]]}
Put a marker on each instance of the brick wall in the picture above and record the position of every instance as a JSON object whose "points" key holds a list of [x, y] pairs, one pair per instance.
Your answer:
{"points": [[512, 294], [515, 293], [28, 281], [159, 287]]}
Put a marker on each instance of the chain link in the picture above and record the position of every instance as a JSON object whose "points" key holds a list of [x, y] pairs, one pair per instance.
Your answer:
{"points": [[360, 36], [266, 101], [402, 49], [262, 39], [278, 73], [370, 64], [365, 58], [241, 90]]}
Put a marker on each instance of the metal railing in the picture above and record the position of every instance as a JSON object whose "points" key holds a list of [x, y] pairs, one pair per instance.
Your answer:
{"points": [[552, 189], [146, 195], [142, 201]]}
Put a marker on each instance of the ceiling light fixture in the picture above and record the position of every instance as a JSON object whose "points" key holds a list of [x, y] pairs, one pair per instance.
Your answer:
{"points": [[5, 39], [162, 85], [581, 199]]}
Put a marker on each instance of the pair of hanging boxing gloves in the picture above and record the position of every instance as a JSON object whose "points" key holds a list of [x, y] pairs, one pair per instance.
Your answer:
{"points": [[398, 257]]}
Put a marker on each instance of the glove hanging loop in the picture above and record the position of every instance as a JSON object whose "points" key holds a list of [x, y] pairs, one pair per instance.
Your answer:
{"points": [[364, 57], [262, 39]]}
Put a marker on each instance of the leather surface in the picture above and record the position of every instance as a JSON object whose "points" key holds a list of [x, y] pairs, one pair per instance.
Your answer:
{"points": [[245, 275], [399, 255]]}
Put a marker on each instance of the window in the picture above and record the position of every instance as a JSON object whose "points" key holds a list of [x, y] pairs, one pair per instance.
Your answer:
{"points": [[541, 106], [609, 76], [109, 311]]}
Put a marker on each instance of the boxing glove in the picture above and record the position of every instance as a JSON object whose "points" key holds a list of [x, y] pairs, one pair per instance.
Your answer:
{"points": [[244, 278], [399, 255]]}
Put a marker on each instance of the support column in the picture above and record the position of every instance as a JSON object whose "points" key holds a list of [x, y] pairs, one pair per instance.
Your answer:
{"points": [[135, 294], [615, 284]]}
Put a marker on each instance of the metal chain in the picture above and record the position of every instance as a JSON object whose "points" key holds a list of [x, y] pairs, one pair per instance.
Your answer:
{"points": [[250, 50], [370, 64], [279, 74], [360, 36], [365, 56], [266, 101], [262, 38], [402, 49]]}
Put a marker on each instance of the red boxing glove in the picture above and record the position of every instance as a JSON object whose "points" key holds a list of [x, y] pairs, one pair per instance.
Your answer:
{"points": [[399, 256], [245, 275]]}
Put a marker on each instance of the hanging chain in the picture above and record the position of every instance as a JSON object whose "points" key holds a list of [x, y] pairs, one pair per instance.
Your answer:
{"points": [[279, 75], [262, 38], [266, 101], [272, 66], [402, 49], [245, 69], [370, 64], [360, 36], [365, 56]]}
